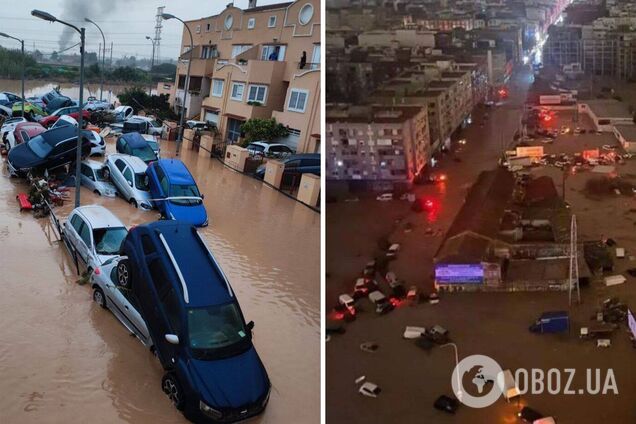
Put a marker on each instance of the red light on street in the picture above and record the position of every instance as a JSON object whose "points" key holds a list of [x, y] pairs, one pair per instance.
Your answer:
{"points": [[428, 203], [547, 118], [338, 316], [442, 177]]}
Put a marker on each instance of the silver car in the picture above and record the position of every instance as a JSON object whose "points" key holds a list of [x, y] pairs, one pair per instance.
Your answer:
{"points": [[128, 173], [109, 294], [92, 177], [95, 234]]}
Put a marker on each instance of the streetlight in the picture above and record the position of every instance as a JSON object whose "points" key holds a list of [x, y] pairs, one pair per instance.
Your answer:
{"points": [[459, 384], [2, 34], [82, 32], [167, 16], [101, 76], [152, 62]]}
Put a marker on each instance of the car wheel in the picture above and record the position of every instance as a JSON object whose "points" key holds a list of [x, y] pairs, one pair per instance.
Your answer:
{"points": [[171, 387], [99, 298], [107, 174], [124, 275], [97, 192], [134, 203]]}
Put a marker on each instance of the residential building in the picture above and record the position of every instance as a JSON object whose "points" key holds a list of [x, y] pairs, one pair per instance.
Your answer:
{"points": [[378, 147], [248, 64]]}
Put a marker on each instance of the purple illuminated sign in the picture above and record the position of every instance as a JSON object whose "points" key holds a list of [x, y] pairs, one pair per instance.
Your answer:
{"points": [[472, 274], [631, 322]]}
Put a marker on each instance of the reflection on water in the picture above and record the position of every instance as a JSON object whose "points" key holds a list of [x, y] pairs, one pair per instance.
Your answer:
{"points": [[64, 359], [38, 88]]}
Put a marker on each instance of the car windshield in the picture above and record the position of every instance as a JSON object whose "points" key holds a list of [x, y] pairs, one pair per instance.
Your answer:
{"points": [[39, 146], [100, 174], [144, 153], [187, 190], [215, 331], [153, 144], [108, 240], [141, 181]]}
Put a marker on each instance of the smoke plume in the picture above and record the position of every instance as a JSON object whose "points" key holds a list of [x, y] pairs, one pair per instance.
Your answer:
{"points": [[76, 10]]}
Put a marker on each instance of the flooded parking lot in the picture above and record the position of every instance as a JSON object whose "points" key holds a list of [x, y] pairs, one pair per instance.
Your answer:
{"points": [[64, 359]]}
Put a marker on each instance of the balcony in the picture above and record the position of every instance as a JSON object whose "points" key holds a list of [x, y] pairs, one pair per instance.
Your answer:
{"points": [[193, 101], [199, 68]]}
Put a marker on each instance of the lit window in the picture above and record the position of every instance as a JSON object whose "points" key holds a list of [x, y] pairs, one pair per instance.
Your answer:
{"points": [[271, 23], [257, 93], [297, 100], [217, 87], [251, 23], [237, 91]]}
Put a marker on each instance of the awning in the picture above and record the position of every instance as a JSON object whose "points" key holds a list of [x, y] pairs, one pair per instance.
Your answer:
{"points": [[240, 118], [212, 109], [315, 135]]}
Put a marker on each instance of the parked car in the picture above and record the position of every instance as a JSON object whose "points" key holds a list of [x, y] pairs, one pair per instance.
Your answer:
{"points": [[154, 143], [6, 111], [94, 104], [98, 146], [30, 109], [273, 150], [446, 404], [135, 145], [8, 99], [109, 294], [176, 193], [154, 126], [128, 174], [23, 132], [122, 113], [295, 166], [95, 234], [72, 111], [197, 125], [92, 177], [58, 103], [551, 322], [37, 101], [48, 150], [212, 370], [9, 126], [50, 96]]}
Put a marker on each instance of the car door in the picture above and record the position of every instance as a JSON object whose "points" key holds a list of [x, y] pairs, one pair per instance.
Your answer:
{"points": [[292, 172], [120, 145], [123, 307], [129, 181], [85, 247], [160, 187], [88, 176], [118, 176], [72, 229]]}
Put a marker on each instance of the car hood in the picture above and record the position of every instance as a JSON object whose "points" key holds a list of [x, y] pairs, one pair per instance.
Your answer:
{"points": [[196, 215], [23, 157], [233, 382]]}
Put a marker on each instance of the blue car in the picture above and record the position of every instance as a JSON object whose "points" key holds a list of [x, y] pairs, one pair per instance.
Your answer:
{"points": [[175, 192], [212, 370], [135, 145]]}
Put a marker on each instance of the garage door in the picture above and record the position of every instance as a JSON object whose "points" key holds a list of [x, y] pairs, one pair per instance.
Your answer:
{"points": [[212, 117], [291, 140]]}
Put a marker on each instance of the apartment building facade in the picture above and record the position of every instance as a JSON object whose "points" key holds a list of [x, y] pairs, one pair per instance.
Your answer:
{"points": [[377, 146], [259, 62]]}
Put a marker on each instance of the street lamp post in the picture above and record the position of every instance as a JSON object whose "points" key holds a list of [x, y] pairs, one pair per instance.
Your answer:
{"points": [[152, 62], [82, 32], [459, 385], [167, 16], [101, 76], [2, 34]]}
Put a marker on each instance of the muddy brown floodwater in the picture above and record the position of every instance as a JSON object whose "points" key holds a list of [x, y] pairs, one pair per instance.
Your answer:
{"points": [[39, 88], [64, 359]]}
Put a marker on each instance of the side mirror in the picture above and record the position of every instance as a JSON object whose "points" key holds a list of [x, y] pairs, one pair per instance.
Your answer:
{"points": [[129, 183], [250, 325], [172, 339]]}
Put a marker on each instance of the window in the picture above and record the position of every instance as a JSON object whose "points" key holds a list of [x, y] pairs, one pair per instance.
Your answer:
{"points": [[305, 14], [257, 93], [128, 176], [120, 165], [159, 277], [207, 28], [163, 181], [237, 49], [208, 52], [251, 23], [85, 235], [297, 100], [198, 29], [217, 87], [77, 223], [237, 91], [108, 240], [271, 23], [229, 20], [171, 306], [273, 52]]}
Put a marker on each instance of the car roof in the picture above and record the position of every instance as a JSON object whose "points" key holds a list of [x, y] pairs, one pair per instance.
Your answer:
{"points": [[134, 162], [176, 170], [205, 282], [134, 140], [99, 216], [56, 135]]}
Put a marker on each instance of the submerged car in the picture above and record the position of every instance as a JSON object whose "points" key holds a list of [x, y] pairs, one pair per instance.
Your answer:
{"points": [[98, 146], [94, 104], [154, 143], [48, 150], [8, 126], [92, 177], [128, 173], [295, 166], [23, 132], [175, 192], [72, 111], [212, 370], [273, 150], [109, 294], [135, 145], [95, 234], [29, 109]]}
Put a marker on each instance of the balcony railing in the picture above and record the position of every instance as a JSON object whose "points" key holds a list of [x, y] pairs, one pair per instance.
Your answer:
{"points": [[309, 66]]}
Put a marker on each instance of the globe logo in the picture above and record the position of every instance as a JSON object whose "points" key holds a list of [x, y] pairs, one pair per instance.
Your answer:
{"points": [[481, 371]]}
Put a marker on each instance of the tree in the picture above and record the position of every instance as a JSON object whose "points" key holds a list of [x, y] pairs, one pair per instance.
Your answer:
{"points": [[257, 129]]}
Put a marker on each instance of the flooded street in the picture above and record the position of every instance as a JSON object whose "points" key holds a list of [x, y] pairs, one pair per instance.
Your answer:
{"points": [[39, 88], [64, 359]]}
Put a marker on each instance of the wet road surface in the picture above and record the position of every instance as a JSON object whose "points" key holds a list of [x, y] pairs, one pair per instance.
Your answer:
{"points": [[64, 359]]}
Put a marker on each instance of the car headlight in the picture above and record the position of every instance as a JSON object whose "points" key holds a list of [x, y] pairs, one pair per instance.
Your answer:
{"points": [[209, 411]]}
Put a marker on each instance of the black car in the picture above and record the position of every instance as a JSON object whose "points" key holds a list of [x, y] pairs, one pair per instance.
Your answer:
{"points": [[295, 166], [48, 150], [446, 404], [58, 103], [529, 415]]}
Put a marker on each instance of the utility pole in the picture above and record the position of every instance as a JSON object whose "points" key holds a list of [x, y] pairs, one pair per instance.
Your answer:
{"points": [[574, 263]]}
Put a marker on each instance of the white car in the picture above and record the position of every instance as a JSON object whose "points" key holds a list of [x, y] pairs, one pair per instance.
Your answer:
{"points": [[9, 126], [95, 234], [128, 173], [109, 294], [369, 389], [414, 332], [6, 111], [122, 113], [275, 150], [154, 127], [92, 177]]}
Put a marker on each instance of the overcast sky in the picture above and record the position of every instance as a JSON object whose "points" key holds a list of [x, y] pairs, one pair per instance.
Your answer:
{"points": [[125, 22]]}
